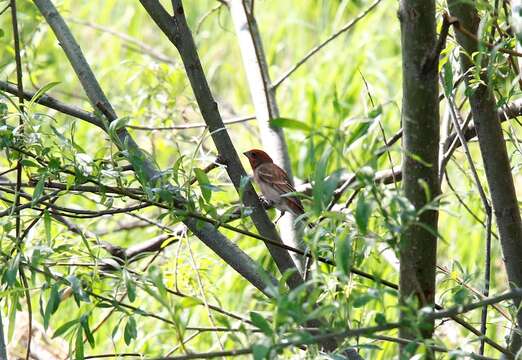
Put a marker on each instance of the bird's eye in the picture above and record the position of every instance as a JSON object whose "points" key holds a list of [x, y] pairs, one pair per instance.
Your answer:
{"points": [[254, 155]]}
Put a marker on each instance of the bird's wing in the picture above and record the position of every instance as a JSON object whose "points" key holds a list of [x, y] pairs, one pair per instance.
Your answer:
{"points": [[277, 177]]}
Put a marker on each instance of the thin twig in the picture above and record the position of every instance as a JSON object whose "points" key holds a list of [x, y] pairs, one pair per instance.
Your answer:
{"points": [[206, 15], [457, 310], [5, 8], [146, 49], [236, 120], [20, 88], [458, 26], [485, 203], [317, 48]]}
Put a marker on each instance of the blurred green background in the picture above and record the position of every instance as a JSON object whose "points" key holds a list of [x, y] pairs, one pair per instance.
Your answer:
{"points": [[328, 93]]}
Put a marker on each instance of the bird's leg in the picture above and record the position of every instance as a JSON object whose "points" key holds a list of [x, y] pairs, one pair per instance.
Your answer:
{"points": [[280, 216]]}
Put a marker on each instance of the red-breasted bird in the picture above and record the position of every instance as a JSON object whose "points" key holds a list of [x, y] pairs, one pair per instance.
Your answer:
{"points": [[274, 182]]}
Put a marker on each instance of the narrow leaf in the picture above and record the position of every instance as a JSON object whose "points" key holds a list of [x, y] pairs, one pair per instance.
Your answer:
{"points": [[289, 124]]}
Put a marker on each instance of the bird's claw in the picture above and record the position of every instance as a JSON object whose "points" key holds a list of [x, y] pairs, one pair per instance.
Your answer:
{"points": [[280, 216], [267, 204]]}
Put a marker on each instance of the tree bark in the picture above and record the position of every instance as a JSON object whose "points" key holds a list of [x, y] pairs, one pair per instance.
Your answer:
{"points": [[495, 157], [420, 121]]}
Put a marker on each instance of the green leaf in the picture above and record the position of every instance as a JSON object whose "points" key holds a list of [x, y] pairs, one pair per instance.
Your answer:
{"points": [[319, 181], [130, 331], [259, 321], [47, 224], [41, 92], [12, 314], [38, 189], [12, 270], [289, 124], [78, 349], [118, 124], [204, 184], [362, 214], [448, 78], [76, 286], [343, 253], [63, 329], [156, 276], [359, 131], [380, 319], [29, 163], [52, 305], [260, 352], [130, 286], [188, 302], [375, 112], [84, 321], [362, 300]]}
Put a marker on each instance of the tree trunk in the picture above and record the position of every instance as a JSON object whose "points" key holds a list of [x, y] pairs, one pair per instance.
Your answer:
{"points": [[494, 156], [420, 121]]}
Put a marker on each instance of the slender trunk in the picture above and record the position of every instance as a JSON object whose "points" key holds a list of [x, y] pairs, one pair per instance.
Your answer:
{"points": [[420, 120], [495, 157]]}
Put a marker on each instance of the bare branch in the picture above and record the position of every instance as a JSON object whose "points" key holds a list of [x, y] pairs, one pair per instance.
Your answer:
{"points": [[55, 104], [144, 48], [317, 48]]}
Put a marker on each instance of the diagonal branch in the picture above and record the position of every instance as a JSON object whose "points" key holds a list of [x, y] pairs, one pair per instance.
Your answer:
{"points": [[207, 233], [494, 155], [318, 48], [177, 31]]}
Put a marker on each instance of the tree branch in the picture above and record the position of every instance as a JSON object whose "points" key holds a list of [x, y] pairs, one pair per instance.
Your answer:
{"points": [[223, 247], [177, 31], [494, 155]]}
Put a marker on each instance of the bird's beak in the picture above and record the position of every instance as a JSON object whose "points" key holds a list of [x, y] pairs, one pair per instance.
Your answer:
{"points": [[245, 153]]}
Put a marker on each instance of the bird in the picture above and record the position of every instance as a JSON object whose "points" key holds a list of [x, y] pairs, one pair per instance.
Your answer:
{"points": [[274, 183]]}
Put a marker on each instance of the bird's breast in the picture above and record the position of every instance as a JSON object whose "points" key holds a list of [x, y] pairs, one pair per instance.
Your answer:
{"points": [[268, 191]]}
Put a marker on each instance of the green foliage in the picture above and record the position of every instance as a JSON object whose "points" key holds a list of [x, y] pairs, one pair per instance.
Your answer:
{"points": [[332, 109]]}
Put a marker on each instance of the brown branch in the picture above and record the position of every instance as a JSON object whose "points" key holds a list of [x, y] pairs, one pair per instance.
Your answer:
{"points": [[432, 61], [457, 25], [52, 103], [494, 155], [364, 331], [176, 29], [420, 123]]}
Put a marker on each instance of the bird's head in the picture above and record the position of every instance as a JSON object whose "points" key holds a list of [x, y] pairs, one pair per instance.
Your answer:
{"points": [[257, 157]]}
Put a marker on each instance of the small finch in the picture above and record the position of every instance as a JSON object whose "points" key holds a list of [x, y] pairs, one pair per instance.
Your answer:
{"points": [[274, 182]]}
